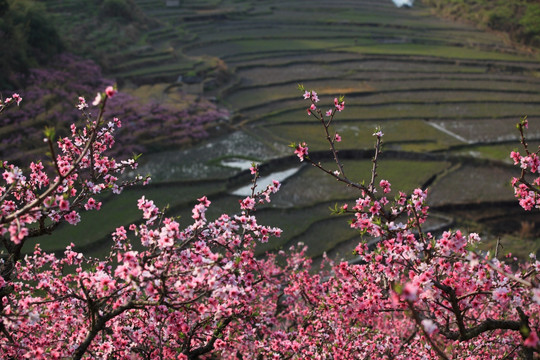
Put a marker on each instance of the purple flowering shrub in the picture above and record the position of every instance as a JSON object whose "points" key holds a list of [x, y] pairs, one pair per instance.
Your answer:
{"points": [[51, 92]]}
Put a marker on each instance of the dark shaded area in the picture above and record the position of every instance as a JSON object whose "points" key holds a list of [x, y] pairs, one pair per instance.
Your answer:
{"points": [[29, 38]]}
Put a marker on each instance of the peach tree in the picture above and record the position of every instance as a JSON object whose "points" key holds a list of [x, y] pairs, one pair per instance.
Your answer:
{"points": [[197, 291]]}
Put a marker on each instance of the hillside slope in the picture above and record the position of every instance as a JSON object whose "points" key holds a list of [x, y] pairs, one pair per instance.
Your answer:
{"points": [[519, 19]]}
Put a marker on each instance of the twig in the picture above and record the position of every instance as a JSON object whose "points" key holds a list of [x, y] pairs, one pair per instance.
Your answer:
{"points": [[39, 200], [418, 321], [497, 247], [378, 143]]}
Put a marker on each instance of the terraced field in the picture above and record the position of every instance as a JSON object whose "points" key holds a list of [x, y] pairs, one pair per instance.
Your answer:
{"points": [[446, 95]]}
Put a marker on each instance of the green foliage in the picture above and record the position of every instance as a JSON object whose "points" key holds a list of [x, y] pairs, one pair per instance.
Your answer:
{"points": [[4, 7], [519, 18], [28, 35], [531, 24], [118, 9], [500, 18]]}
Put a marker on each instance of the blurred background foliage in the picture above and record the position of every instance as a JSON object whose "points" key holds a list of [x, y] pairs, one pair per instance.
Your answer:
{"points": [[28, 35], [519, 18]]}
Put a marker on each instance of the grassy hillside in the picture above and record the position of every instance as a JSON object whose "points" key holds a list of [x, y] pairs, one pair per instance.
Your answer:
{"points": [[520, 19], [436, 87], [32, 32], [98, 29]]}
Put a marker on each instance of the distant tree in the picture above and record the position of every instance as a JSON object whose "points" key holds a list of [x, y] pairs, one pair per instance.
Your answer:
{"points": [[29, 38], [194, 290], [4, 7], [531, 24], [117, 8]]}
